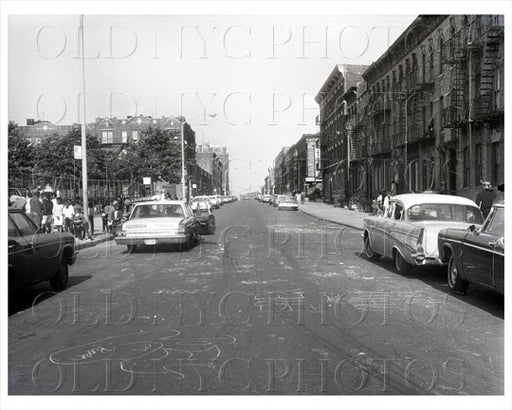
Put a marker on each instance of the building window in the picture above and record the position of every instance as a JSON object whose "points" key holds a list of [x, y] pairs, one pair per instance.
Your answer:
{"points": [[135, 136], [478, 163], [441, 56], [107, 137], [124, 137], [466, 166], [496, 163]]}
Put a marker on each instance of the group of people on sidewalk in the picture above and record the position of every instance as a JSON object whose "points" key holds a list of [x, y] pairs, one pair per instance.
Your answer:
{"points": [[51, 214]]}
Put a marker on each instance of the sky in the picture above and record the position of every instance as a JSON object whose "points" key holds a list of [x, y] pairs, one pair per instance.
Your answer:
{"points": [[244, 82]]}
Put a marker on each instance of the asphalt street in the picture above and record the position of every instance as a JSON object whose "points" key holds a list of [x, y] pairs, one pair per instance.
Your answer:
{"points": [[276, 302]]}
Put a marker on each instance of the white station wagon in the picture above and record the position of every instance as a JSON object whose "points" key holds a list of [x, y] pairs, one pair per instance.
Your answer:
{"points": [[407, 232], [159, 222]]}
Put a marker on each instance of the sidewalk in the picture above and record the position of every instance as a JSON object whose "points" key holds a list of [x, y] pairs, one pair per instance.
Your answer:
{"points": [[98, 236], [327, 212]]}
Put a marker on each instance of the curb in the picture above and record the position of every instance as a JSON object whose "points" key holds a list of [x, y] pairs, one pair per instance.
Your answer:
{"points": [[358, 228], [94, 242]]}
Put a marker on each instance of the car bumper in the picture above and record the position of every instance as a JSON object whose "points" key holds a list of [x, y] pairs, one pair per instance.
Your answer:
{"points": [[422, 260], [161, 240]]}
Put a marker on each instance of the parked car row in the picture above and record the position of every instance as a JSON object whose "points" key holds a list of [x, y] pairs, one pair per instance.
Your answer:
{"points": [[443, 230], [171, 222], [35, 256], [281, 202]]}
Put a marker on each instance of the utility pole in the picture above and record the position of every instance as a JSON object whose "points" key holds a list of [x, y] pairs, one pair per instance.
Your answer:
{"points": [[183, 160], [84, 139]]}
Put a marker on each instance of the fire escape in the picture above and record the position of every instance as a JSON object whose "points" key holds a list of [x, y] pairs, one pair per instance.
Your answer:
{"points": [[456, 55], [487, 106]]}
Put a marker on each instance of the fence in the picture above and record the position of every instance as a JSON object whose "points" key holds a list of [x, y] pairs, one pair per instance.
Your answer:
{"points": [[98, 190]]}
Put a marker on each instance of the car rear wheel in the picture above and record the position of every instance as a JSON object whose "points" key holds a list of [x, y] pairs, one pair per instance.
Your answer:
{"points": [[401, 264], [131, 248], [455, 282], [60, 280], [368, 250], [211, 228]]}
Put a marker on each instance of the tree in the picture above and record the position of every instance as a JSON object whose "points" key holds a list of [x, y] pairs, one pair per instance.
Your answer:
{"points": [[21, 155], [55, 157], [156, 155]]}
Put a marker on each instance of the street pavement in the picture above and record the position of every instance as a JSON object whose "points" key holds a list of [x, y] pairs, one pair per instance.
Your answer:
{"points": [[276, 302]]}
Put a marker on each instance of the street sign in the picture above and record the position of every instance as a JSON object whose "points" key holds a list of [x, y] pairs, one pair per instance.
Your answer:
{"points": [[146, 180], [77, 151]]}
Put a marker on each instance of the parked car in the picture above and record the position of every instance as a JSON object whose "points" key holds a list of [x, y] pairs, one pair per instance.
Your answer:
{"points": [[266, 198], [204, 216], [215, 200], [475, 255], [35, 256], [407, 231], [159, 222], [213, 203], [287, 202]]}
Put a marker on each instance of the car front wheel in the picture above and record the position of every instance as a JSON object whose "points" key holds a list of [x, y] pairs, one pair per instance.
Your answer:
{"points": [[455, 282], [60, 280], [368, 250]]}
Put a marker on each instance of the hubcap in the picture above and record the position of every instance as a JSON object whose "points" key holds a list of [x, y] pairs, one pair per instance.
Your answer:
{"points": [[453, 274], [398, 261], [368, 248]]}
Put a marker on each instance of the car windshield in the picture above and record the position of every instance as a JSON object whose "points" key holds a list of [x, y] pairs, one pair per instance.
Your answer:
{"points": [[445, 212], [158, 211]]}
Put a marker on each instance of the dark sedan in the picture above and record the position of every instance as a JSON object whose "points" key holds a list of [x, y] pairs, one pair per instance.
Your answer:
{"points": [[204, 216], [35, 256], [475, 255]]}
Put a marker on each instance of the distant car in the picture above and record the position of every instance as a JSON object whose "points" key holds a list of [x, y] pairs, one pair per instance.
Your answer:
{"points": [[287, 202], [476, 255], [159, 222], [215, 200], [266, 198], [408, 230], [204, 216], [35, 256]]}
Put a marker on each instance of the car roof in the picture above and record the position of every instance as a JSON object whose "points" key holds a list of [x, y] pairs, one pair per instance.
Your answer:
{"points": [[409, 200]]}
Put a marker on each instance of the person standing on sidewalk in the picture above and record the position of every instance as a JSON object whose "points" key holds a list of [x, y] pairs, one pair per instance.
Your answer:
{"points": [[35, 209], [58, 214], [90, 215], [68, 211], [485, 198], [47, 210], [109, 211]]}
